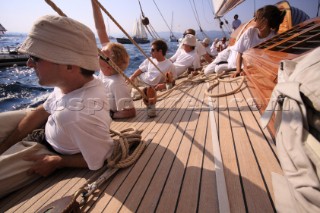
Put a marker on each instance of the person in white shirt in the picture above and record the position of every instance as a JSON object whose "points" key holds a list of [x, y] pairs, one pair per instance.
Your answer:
{"points": [[118, 92], [200, 49], [211, 51], [236, 22], [268, 20], [149, 75], [186, 57], [75, 115]]}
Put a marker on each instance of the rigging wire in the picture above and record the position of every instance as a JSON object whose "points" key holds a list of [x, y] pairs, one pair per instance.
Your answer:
{"points": [[170, 29], [195, 13], [146, 22]]}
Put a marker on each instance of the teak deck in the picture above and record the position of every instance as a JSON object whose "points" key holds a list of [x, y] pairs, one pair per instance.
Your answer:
{"points": [[203, 155]]}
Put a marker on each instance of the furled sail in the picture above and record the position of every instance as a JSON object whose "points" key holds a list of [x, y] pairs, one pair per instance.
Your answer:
{"points": [[221, 7], [2, 29]]}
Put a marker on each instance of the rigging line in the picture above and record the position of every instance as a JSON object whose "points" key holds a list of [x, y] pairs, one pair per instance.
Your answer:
{"points": [[195, 14], [141, 9], [318, 8], [128, 36], [162, 16]]}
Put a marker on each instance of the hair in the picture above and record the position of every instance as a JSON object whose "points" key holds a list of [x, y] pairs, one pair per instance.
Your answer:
{"points": [[235, 16], [161, 45], [118, 54], [86, 73], [189, 31], [273, 15]]}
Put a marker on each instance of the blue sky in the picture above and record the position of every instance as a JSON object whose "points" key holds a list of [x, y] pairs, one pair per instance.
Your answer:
{"points": [[18, 15]]}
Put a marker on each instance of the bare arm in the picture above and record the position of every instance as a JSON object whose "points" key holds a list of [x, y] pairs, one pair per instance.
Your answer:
{"points": [[135, 74], [33, 120], [207, 58], [99, 23], [126, 113], [239, 65]]}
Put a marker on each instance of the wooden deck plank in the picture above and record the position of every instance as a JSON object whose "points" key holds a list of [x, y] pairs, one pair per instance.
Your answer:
{"points": [[229, 157], [138, 187], [208, 202], [117, 182], [170, 194], [251, 179], [190, 191], [154, 190], [264, 154]]}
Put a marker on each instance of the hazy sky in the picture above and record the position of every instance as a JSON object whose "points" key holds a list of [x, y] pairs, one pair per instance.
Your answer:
{"points": [[18, 15]]}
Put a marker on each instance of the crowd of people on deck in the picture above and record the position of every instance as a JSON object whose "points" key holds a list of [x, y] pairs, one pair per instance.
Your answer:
{"points": [[76, 116]]}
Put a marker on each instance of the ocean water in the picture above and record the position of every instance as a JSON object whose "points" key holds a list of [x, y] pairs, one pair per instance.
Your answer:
{"points": [[19, 86]]}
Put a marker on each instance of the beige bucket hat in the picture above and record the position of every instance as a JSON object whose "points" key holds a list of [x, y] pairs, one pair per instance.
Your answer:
{"points": [[62, 40], [189, 40]]}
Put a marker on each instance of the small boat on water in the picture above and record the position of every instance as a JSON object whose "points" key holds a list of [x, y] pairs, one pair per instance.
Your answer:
{"points": [[139, 35], [204, 154], [12, 58]]}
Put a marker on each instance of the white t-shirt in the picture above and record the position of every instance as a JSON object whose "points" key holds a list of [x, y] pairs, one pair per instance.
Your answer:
{"points": [[151, 75], [118, 92], [183, 60], [212, 52], [248, 39], [79, 122]]}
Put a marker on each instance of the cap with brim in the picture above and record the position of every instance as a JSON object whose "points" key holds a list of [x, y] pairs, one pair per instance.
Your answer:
{"points": [[62, 40]]}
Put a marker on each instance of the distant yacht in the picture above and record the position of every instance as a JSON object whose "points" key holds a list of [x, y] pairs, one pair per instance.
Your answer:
{"points": [[140, 35]]}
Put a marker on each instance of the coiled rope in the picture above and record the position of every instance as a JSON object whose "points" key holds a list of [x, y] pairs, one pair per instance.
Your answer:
{"points": [[201, 78], [128, 147]]}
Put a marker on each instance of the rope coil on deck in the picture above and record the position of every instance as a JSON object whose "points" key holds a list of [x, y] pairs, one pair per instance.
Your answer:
{"points": [[128, 147]]}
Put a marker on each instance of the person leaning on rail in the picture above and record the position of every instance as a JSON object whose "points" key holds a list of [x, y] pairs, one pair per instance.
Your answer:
{"points": [[118, 92], [75, 116], [267, 21]]}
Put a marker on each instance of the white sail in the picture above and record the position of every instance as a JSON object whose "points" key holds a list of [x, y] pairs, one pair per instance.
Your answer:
{"points": [[221, 7], [2, 29], [139, 30]]}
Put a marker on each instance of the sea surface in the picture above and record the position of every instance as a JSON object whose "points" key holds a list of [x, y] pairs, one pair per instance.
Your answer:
{"points": [[19, 86]]}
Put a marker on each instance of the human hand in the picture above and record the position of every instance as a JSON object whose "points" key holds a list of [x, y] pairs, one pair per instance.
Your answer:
{"points": [[44, 165], [236, 74]]}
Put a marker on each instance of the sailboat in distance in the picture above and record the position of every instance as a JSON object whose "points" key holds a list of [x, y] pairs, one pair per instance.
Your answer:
{"points": [[139, 34], [172, 37]]}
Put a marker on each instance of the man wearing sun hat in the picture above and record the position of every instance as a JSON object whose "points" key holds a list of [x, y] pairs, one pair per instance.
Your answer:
{"points": [[186, 57], [201, 51], [64, 55], [206, 43]]}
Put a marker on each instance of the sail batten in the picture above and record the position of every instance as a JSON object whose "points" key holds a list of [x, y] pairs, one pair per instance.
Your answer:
{"points": [[221, 7]]}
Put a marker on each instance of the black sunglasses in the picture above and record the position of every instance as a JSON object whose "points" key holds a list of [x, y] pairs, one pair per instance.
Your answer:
{"points": [[34, 59], [105, 59], [152, 50]]}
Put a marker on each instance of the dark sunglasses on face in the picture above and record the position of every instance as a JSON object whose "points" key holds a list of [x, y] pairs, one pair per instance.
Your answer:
{"points": [[152, 50], [34, 59]]}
